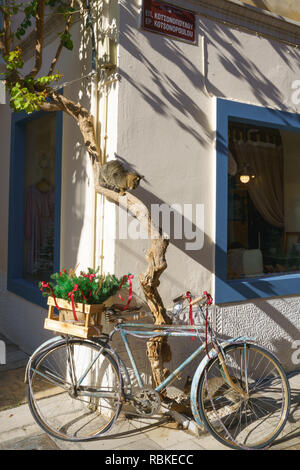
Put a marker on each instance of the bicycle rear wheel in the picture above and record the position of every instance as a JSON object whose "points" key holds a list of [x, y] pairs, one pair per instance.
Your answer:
{"points": [[64, 401], [253, 421]]}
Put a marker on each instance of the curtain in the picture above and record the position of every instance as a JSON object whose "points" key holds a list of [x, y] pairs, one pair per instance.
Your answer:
{"points": [[266, 190]]}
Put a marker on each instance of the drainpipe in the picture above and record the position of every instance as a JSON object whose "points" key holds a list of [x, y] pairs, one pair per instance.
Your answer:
{"points": [[106, 78], [94, 108]]}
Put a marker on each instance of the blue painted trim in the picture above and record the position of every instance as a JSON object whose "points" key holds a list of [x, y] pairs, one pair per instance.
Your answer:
{"points": [[15, 282], [265, 286]]}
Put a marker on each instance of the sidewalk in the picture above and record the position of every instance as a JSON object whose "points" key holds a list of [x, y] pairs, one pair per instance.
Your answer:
{"points": [[18, 431]]}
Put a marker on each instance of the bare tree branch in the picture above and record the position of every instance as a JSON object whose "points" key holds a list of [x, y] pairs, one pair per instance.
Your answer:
{"points": [[5, 42], [61, 44], [84, 119], [50, 107], [156, 255], [39, 31], [158, 349]]}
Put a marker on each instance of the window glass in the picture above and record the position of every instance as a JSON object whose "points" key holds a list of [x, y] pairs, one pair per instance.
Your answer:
{"points": [[39, 200], [263, 201]]}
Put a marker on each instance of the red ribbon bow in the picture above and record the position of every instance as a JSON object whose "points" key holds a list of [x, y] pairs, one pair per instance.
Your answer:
{"points": [[129, 277], [46, 285], [209, 299], [189, 297], [71, 294], [90, 276]]}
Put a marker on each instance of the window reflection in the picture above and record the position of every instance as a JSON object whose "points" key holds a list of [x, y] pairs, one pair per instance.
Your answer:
{"points": [[39, 185], [263, 201]]}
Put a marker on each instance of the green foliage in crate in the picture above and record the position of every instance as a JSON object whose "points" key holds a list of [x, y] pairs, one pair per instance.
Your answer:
{"points": [[88, 287]]}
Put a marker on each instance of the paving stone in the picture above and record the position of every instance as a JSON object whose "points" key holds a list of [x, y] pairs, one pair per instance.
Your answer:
{"points": [[166, 437], [12, 388], [18, 428], [16, 418], [189, 444], [210, 443], [122, 434], [42, 442], [143, 444]]}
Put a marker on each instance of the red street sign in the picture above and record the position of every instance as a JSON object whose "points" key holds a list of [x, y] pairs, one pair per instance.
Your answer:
{"points": [[159, 17]]}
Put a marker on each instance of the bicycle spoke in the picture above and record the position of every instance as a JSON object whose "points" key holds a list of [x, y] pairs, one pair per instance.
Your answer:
{"points": [[257, 417], [77, 412]]}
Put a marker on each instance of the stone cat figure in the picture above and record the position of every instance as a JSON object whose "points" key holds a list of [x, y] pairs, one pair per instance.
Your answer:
{"points": [[114, 176]]}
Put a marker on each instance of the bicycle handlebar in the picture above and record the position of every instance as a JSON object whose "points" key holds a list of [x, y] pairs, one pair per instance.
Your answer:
{"points": [[193, 302]]}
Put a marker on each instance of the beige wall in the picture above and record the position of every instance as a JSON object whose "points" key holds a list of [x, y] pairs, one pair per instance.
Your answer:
{"points": [[288, 8], [167, 132]]}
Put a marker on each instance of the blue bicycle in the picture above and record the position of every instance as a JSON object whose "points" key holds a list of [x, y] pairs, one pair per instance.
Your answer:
{"points": [[240, 392]]}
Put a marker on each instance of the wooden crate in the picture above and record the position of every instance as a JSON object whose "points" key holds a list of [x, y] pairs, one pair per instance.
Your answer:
{"points": [[89, 319]]}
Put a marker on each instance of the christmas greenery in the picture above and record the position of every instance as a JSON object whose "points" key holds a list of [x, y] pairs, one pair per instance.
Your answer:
{"points": [[87, 288]]}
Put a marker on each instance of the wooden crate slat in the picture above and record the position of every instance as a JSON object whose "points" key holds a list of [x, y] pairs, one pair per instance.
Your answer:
{"points": [[71, 329], [84, 308]]}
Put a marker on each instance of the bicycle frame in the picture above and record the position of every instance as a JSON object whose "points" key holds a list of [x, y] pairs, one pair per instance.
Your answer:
{"points": [[123, 328], [173, 375], [126, 329]]}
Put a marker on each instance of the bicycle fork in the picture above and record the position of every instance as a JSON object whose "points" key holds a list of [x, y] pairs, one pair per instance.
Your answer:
{"points": [[228, 378]]}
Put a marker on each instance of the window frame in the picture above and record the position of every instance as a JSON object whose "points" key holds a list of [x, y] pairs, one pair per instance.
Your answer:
{"points": [[15, 282], [227, 291]]}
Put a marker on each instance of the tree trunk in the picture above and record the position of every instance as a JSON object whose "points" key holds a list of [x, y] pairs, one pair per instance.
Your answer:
{"points": [[158, 348]]}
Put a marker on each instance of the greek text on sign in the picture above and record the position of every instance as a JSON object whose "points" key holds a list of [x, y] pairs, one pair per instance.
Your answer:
{"points": [[162, 18]]}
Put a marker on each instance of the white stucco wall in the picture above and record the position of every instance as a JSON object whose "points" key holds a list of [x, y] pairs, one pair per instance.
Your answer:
{"points": [[167, 131]]}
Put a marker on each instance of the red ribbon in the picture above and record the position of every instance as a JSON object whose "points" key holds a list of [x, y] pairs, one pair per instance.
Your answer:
{"points": [[189, 297], [90, 277], [46, 285], [71, 294], [129, 277], [208, 302]]}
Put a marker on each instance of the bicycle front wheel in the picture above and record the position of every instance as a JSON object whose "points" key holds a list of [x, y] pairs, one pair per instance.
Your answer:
{"points": [[74, 390], [251, 421]]}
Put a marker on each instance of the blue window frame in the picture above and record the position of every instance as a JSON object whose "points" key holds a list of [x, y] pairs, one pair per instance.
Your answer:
{"points": [[16, 283], [251, 288]]}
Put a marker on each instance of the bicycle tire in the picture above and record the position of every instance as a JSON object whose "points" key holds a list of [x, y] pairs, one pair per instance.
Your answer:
{"points": [[219, 408], [57, 420]]}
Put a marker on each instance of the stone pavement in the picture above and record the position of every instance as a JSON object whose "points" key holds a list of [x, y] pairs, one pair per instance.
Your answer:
{"points": [[18, 430]]}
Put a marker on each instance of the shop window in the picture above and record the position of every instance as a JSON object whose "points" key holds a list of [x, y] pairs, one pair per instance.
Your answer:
{"points": [[258, 219], [35, 180]]}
